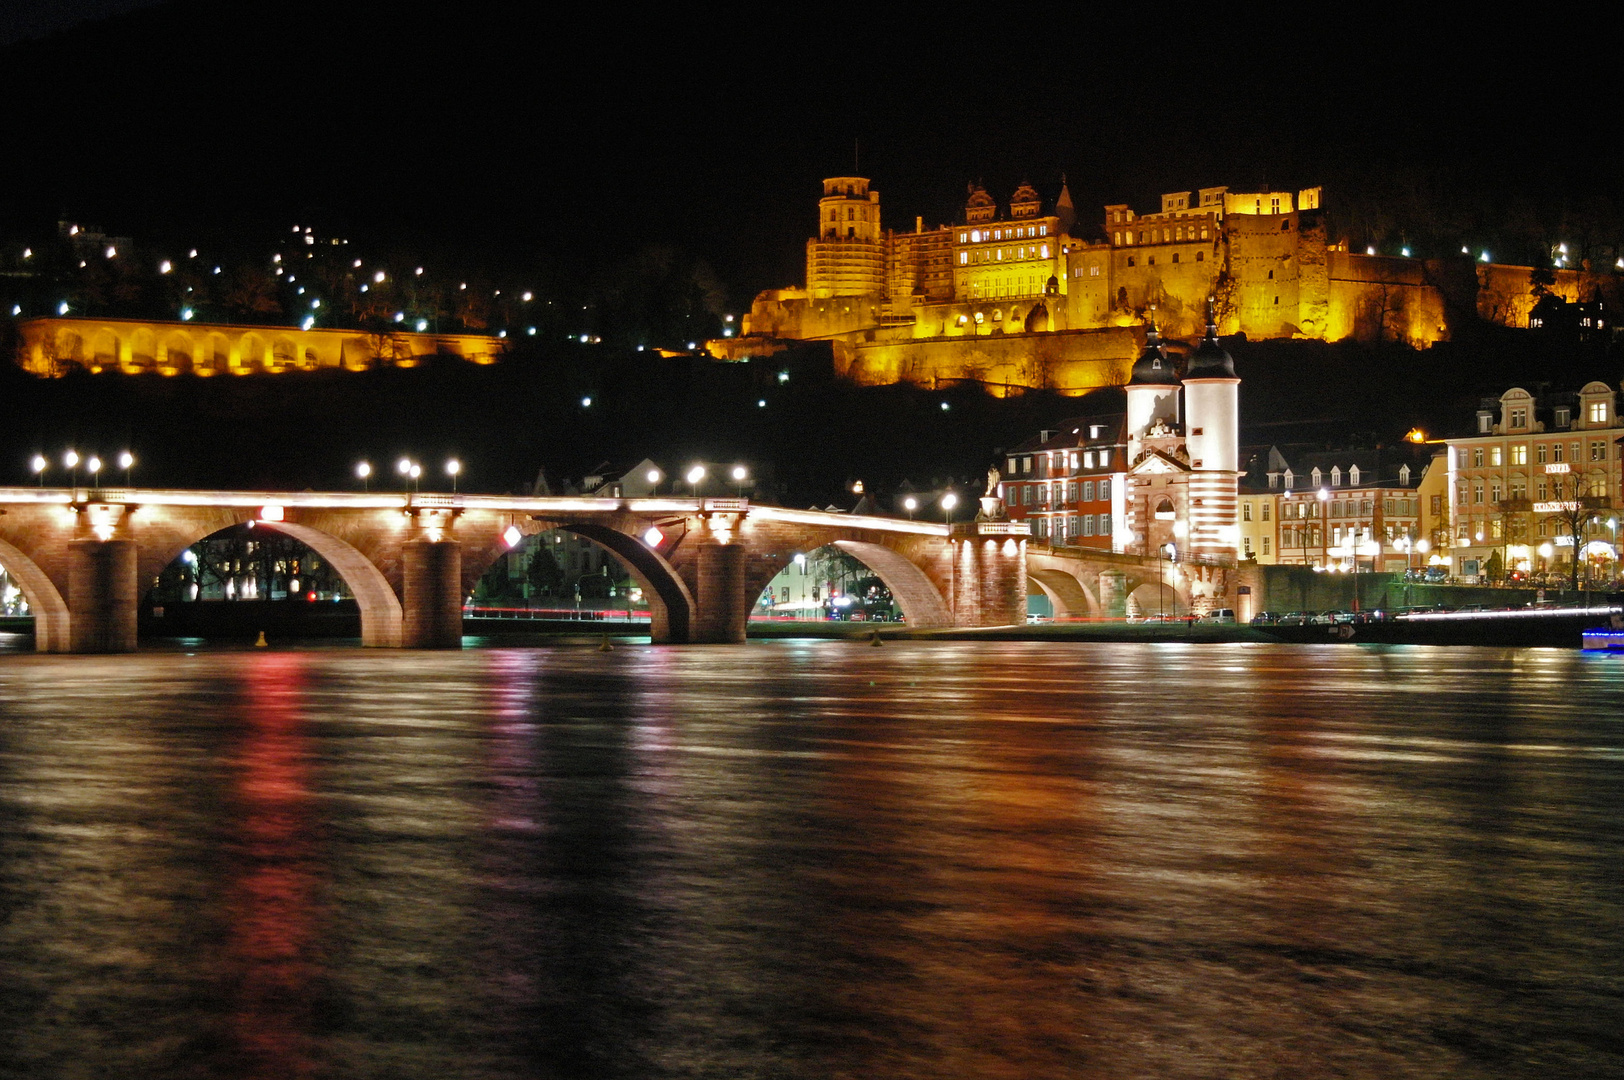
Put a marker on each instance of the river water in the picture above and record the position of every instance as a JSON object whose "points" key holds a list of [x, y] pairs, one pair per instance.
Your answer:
{"points": [[813, 859]]}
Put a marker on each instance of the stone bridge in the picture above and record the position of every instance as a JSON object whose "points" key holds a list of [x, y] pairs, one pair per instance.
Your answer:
{"points": [[1085, 583], [85, 558]]}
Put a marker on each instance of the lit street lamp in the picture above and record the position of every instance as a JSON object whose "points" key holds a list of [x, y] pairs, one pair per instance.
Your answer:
{"points": [[126, 461], [695, 475], [364, 471], [70, 461], [453, 468], [910, 504], [740, 474], [39, 465], [949, 501], [93, 466]]}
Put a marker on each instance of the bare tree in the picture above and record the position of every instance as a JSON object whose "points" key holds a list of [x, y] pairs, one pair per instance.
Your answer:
{"points": [[1574, 503]]}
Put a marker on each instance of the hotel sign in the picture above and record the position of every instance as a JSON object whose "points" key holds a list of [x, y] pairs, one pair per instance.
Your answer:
{"points": [[1555, 507], [1559, 467]]}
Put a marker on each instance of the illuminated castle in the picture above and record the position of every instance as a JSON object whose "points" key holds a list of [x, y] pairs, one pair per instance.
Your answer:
{"points": [[1020, 300]]}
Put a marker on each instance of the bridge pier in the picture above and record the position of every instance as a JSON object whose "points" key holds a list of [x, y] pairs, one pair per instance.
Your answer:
{"points": [[1113, 594], [431, 578], [987, 583], [102, 596], [721, 606]]}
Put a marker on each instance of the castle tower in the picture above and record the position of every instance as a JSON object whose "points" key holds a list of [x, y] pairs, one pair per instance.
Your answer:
{"points": [[1212, 412], [1153, 393], [1063, 208], [847, 258]]}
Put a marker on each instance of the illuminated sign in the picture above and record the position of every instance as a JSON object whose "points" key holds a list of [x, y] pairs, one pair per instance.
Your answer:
{"points": [[1559, 467], [1555, 507]]}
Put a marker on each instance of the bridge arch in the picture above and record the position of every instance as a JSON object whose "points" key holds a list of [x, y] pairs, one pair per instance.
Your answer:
{"points": [[1069, 595], [671, 603], [381, 611], [922, 604], [44, 599]]}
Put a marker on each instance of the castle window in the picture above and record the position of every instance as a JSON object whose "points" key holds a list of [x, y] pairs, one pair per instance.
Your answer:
{"points": [[851, 214], [1178, 232], [1043, 230], [1175, 256], [1151, 261], [1203, 232], [1119, 239], [963, 237], [1277, 301], [1285, 226], [1130, 260], [1094, 271], [964, 257], [1141, 236], [1201, 256]]}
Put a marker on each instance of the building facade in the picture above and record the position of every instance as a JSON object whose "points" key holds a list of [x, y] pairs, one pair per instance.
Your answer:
{"points": [[1536, 486]]}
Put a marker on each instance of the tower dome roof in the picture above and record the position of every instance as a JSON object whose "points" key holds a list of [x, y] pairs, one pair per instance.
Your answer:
{"points": [[1210, 360], [1154, 367]]}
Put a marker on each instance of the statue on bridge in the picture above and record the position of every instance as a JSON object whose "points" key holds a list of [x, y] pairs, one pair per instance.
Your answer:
{"points": [[992, 507]]}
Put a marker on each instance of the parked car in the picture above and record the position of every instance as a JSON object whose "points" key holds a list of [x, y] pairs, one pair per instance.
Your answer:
{"points": [[1266, 618], [1296, 618], [1221, 615]]}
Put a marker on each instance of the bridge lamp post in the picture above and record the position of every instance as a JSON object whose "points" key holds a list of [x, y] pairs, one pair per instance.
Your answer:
{"points": [[654, 476], [740, 474], [39, 465], [695, 475], [910, 504], [126, 461], [453, 468], [404, 468], [949, 501], [364, 471], [93, 467], [417, 471], [70, 461]]}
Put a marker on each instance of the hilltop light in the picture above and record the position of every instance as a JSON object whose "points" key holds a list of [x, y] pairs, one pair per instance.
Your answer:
{"points": [[1483, 257], [1370, 251], [378, 277], [164, 267], [62, 308], [1405, 252], [422, 325]]}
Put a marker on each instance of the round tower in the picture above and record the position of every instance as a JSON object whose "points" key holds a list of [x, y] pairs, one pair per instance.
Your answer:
{"points": [[1153, 393], [847, 257], [1212, 405], [1212, 417]]}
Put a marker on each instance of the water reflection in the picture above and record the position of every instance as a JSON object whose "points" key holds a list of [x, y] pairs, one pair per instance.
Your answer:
{"points": [[813, 859]]}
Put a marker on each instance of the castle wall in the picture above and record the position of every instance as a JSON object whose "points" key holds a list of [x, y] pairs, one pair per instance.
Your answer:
{"points": [[1071, 362], [1384, 298], [52, 346]]}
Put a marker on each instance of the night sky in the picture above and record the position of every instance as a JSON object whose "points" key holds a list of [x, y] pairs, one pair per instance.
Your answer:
{"points": [[524, 137]]}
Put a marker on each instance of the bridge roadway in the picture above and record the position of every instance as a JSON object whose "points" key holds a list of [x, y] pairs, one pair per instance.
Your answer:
{"points": [[85, 557]]}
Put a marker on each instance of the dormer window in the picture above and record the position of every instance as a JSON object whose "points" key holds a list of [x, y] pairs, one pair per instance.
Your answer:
{"points": [[1274, 480], [1485, 423], [1404, 475], [1519, 418], [1353, 475], [1315, 476], [1564, 417], [1288, 479], [1336, 475]]}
